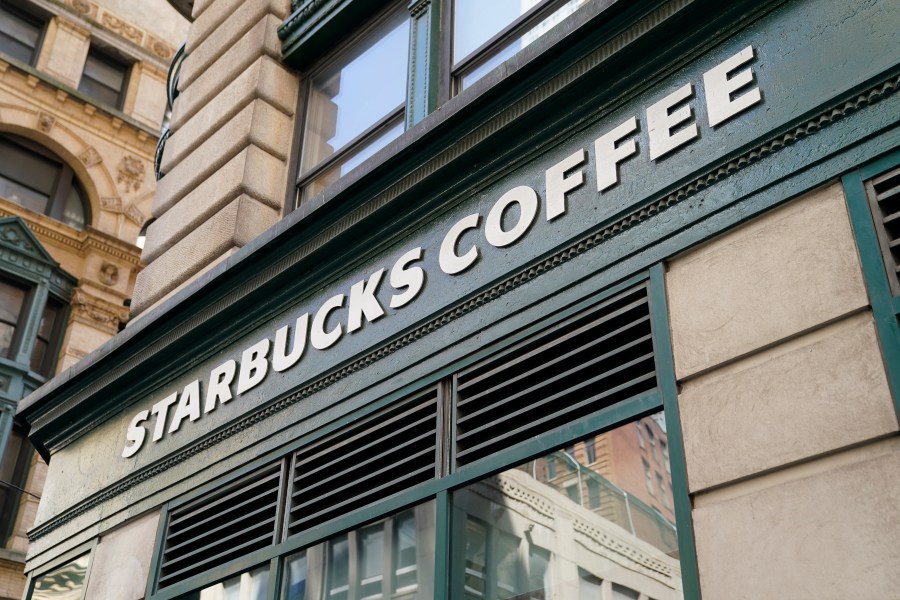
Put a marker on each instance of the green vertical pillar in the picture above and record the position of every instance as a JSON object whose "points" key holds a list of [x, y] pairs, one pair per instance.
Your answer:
{"points": [[426, 85]]}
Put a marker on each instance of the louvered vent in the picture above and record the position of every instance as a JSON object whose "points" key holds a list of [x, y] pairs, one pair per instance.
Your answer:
{"points": [[224, 525], [884, 194], [582, 364], [387, 452]]}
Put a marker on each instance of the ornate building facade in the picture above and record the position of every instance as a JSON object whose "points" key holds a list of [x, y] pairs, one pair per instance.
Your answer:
{"points": [[82, 101], [469, 300]]}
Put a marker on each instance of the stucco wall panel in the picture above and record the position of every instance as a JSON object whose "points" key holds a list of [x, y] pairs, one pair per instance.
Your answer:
{"points": [[824, 391], [784, 273], [828, 535], [121, 563]]}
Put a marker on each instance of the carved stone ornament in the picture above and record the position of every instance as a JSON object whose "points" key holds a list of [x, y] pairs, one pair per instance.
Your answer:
{"points": [[10, 235], [131, 173], [90, 157], [108, 274], [98, 313], [133, 213], [46, 122], [82, 6], [113, 204], [160, 48], [126, 30]]}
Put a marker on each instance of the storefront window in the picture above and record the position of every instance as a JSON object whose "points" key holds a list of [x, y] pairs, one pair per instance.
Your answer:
{"points": [[521, 535], [64, 583], [252, 585], [393, 558]]}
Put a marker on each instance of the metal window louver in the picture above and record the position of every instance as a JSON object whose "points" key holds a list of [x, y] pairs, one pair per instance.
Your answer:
{"points": [[387, 452], [224, 525], [884, 197], [591, 360]]}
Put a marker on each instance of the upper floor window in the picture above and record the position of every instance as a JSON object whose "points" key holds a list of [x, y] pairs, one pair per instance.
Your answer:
{"points": [[20, 33], [15, 299], [33, 177], [104, 78], [355, 103], [485, 34], [355, 99]]}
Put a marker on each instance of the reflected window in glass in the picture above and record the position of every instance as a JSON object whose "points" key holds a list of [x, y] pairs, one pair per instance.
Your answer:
{"points": [[514, 543], [485, 34], [357, 564], [355, 103]]}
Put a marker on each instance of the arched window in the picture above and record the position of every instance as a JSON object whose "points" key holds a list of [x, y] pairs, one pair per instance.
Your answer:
{"points": [[34, 177]]}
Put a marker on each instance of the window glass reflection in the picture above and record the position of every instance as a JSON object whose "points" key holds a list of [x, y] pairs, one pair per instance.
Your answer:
{"points": [[351, 97], [505, 50], [253, 585], [64, 583], [393, 558], [578, 523]]}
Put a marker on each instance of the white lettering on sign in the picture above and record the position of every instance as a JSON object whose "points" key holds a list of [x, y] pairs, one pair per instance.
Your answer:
{"points": [[670, 125]]}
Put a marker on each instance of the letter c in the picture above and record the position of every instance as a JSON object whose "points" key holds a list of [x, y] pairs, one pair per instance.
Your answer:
{"points": [[451, 262]]}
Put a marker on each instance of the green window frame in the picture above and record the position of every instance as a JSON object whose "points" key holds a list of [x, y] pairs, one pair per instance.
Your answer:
{"points": [[440, 489], [885, 303]]}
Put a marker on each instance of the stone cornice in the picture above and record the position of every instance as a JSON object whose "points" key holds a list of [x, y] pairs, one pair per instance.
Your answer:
{"points": [[80, 241]]}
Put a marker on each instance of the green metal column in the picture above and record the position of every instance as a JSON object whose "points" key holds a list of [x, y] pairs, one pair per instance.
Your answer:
{"points": [[426, 84]]}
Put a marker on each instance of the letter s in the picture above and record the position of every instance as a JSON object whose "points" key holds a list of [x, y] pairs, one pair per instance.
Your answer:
{"points": [[404, 276], [136, 434]]}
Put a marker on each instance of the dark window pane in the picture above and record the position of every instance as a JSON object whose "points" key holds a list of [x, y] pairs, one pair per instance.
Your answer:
{"points": [[18, 35], [73, 210], [103, 78], [12, 297], [14, 462]]}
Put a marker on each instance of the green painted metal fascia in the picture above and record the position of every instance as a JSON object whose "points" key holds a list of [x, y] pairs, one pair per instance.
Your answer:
{"points": [[153, 578], [885, 307], [665, 369]]}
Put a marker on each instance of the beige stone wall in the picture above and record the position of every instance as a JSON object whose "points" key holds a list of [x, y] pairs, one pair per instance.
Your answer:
{"points": [[120, 565], [226, 163], [789, 426], [111, 152]]}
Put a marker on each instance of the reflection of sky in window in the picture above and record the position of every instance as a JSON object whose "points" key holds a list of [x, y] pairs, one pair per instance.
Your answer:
{"points": [[371, 86], [506, 52], [477, 21]]}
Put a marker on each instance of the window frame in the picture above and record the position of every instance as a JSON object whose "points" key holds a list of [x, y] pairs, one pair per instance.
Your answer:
{"points": [[370, 134], [65, 182], [86, 549], [440, 490], [110, 58], [33, 19]]}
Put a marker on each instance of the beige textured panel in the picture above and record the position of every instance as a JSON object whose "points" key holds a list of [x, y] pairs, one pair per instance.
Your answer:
{"points": [[783, 273], [121, 563], [220, 27], [253, 172], [258, 124], [829, 536], [68, 51], [818, 393], [261, 39], [235, 225], [150, 100], [263, 79]]}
